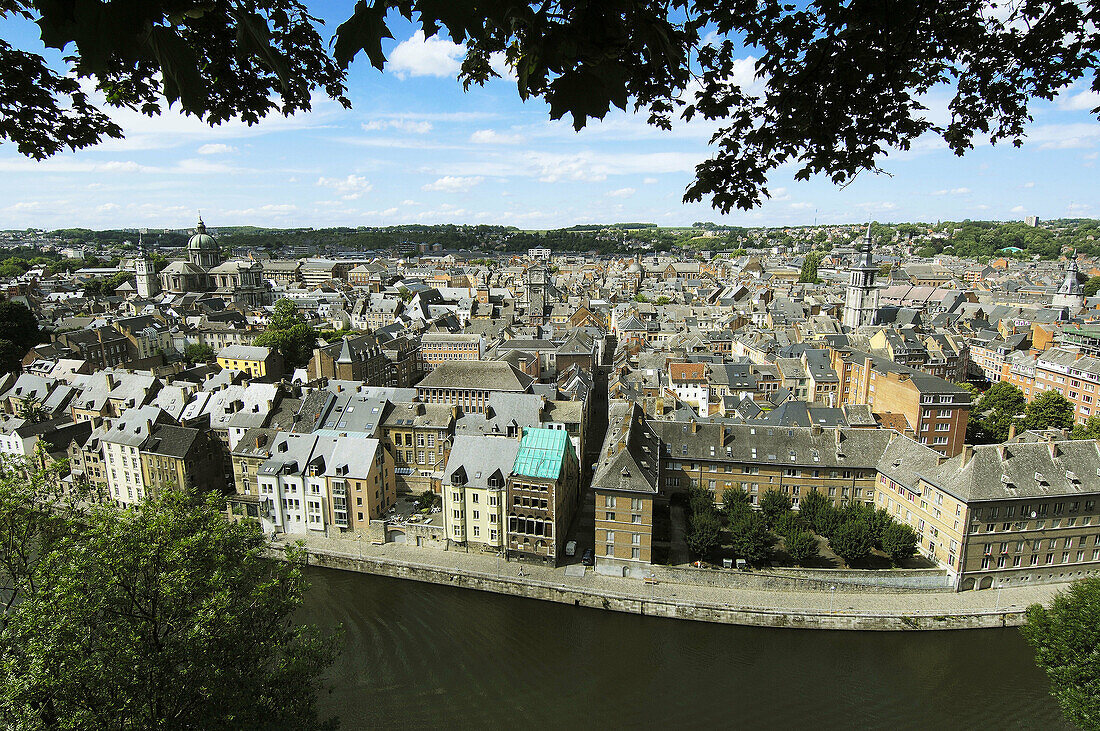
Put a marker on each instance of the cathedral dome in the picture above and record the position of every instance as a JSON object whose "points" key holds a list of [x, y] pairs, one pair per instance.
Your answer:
{"points": [[202, 240]]}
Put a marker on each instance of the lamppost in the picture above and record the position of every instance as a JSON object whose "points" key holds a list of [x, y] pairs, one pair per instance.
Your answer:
{"points": [[359, 542], [832, 598]]}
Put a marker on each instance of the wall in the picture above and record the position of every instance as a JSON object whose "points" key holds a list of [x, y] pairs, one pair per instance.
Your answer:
{"points": [[672, 608]]}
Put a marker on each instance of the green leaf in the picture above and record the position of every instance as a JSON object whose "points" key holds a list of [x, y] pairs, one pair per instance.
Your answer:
{"points": [[182, 80], [255, 37], [363, 31]]}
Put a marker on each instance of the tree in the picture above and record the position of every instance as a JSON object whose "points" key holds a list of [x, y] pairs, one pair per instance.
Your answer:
{"points": [[851, 541], [700, 500], [1089, 430], [18, 332], [751, 539], [705, 528], [1049, 410], [735, 502], [1066, 641], [1003, 397], [32, 409], [900, 541], [166, 615], [1091, 287], [289, 333], [198, 353], [774, 504], [808, 274], [683, 60], [810, 506], [802, 547]]}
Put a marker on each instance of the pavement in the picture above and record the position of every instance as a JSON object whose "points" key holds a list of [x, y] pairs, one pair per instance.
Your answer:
{"points": [[838, 601]]}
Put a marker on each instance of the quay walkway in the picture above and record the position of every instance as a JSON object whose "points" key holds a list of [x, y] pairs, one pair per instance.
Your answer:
{"points": [[846, 607]]}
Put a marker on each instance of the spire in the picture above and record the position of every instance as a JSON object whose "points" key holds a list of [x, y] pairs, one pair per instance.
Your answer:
{"points": [[201, 227], [866, 249]]}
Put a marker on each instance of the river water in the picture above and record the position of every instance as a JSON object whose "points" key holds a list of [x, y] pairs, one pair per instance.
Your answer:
{"points": [[420, 655]]}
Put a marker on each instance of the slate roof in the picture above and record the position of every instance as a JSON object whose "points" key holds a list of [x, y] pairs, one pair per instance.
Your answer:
{"points": [[486, 375]]}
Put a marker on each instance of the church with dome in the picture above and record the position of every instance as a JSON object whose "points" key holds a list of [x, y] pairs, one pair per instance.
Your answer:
{"points": [[239, 281]]}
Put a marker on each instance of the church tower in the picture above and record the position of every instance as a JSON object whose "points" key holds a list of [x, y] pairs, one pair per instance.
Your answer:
{"points": [[861, 303], [147, 283], [1070, 294]]}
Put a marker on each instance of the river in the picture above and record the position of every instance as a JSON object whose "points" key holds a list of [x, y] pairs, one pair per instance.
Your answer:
{"points": [[420, 655]]}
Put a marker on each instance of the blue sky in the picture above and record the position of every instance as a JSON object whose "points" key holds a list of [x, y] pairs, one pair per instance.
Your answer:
{"points": [[415, 148]]}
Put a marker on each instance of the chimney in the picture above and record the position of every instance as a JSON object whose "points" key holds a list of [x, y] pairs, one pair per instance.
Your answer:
{"points": [[967, 454], [816, 430], [148, 426], [1011, 432], [694, 426]]}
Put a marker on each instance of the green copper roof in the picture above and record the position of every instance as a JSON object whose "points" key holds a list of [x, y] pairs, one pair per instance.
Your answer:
{"points": [[541, 452]]}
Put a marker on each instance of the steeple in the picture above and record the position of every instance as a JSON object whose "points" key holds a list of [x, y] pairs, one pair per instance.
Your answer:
{"points": [[861, 302], [1070, 293]]}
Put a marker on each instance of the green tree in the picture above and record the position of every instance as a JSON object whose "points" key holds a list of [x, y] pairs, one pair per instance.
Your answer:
{"points": [[1003, 397], [700, 500], [811, 504], [289, 333], [222, 61], [789, 523], [19, 333], [1091, 287], [1049, 410], [703, 533], [751, 539], [735, 502], [802, 547], [851, 541], [198, 353], [900, 541], [1066, 641], [164, 616], [808, 274], [1089, 430], [774, 504]]}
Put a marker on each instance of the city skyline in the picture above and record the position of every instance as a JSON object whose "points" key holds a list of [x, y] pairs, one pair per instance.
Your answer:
{"points": [[415, 148]]}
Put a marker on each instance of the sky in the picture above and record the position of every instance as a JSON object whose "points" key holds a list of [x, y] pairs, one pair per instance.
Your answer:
{"points": [[416, 148]]}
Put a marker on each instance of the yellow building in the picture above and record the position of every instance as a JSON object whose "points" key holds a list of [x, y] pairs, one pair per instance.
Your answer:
{"points": [[474, 490], [252, 359]]}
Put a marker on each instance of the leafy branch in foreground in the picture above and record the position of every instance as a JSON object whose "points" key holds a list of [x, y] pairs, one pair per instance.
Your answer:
{"points": [[164, 616]]}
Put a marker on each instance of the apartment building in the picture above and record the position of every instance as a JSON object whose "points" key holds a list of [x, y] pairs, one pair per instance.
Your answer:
{"points": [[1001, 514], [840, 462], [176, 458], [689, 382], [1072, 374], [626, 486], [932, 410], [475, 490], [542, 495], [254, 360], [324, 484], [418, 435], [439, 348], [468, 385]]}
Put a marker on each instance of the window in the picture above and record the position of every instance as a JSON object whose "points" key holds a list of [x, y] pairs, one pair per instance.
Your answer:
{"points": [[609, 516]]}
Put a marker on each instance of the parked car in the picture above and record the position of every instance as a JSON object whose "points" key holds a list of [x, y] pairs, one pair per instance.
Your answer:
{"points": [[589, 558], [571, 548]]}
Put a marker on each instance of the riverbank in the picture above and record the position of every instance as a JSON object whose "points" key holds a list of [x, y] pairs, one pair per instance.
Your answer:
{"points": [[843, 608]]}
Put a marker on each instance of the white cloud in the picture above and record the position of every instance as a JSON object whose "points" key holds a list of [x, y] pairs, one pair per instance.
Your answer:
{"points": [[1082, 101], [216, 149], [802, 206], [350, 188], [1018, 209], [621, 193], [420, 56], [414, 126], [454, 183], [1028, 184], [1064, 136], [952, 191], [650, 181], [492, 137]]}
